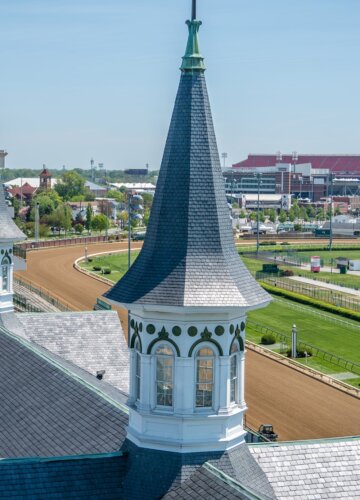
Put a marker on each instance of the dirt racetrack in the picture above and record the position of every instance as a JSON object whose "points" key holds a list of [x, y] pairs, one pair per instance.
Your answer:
{"points": [[298, 406]]}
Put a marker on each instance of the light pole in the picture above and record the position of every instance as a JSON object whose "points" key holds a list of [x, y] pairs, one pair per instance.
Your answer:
{"points": [[258, 177], [294, 160], [37, 223], [293, 342], [331, 203], [224, 157], [134, 207]]}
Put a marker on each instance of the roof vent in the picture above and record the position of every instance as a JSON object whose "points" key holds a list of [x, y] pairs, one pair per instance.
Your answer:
{"points": [[100, 374]]}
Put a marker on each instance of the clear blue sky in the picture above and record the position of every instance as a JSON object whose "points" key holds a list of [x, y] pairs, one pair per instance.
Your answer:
{"points": [[86, 78]]}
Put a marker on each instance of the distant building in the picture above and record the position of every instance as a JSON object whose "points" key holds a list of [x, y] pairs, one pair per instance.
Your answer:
{"points": [[3, 154], [306, 177], [23, 193], [136, 171], [134, 186], [45, 179]]}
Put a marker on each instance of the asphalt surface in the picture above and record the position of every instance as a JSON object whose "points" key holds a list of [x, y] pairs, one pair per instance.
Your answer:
{"points": [[298, 406]]}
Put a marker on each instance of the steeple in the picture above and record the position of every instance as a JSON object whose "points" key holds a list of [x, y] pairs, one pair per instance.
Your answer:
{"points": [[188, 291], [9, 234]]}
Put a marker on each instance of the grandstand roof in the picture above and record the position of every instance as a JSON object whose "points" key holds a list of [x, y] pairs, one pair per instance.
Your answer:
{"points": [[335, 163]]}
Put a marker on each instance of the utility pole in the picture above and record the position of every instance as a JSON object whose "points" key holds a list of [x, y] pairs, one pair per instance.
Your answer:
{"points": [[129, 230], [37, 223], [331, 204], [258, 177]]}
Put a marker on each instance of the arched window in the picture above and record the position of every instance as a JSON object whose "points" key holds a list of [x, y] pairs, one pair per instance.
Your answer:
{"points": [[204, 378], [137, 370], [164, 375], [234, 372], [5, 273]]}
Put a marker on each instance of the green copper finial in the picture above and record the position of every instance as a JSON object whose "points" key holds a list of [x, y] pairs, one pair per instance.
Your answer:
{"points": [[193, 60]]}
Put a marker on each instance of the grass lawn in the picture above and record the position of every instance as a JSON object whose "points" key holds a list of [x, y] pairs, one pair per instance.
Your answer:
{"points": [[348, 280], [118, 263], [323, 332]]}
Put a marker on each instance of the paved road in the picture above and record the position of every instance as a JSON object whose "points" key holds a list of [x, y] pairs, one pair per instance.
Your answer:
{"points": [[330, 286], [298, 406]]}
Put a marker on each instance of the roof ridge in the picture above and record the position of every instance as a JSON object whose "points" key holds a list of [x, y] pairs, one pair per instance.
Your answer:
{"points": [[330, 440], [64, 458], [233, 483], [41, 352]]}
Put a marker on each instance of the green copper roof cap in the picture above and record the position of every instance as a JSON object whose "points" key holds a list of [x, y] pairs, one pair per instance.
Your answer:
{"points": [[193, 60]]}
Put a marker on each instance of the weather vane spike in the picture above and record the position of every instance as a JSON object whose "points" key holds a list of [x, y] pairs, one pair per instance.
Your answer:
{"points": [[193, 15]]}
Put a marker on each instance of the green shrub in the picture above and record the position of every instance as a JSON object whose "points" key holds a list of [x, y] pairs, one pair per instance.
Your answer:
{"points": [[319, 304], [97, 268], [268, 339], [106, 270], [90, 260], [285, 243], [300, 353], [286, 272]]}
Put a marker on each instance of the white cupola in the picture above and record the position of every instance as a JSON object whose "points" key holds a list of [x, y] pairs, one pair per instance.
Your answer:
{"points": [[188, 291]]}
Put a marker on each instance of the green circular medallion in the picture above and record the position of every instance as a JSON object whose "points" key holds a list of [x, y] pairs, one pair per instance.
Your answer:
{"points": [[176, 331], [242, 326], [232, 329], [192, 331], [219, 330], [150, 329]]}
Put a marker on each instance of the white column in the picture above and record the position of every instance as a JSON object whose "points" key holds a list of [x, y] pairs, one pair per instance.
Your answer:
{"points": [[184, 386], [132, 398], [241, 379], [146, 387], [224, 383]]}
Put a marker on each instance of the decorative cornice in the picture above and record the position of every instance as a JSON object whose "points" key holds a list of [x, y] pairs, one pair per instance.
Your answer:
{"points": [[193, 62]]}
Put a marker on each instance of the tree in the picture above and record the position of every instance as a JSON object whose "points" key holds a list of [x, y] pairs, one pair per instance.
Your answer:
{"points": [[99, 222], [310, 210], [79, 228], [116, 195], [48, 201], [320, 214], [292, 215], [261, 216], [89, 216], [272, 215], [61, 218], [71, 184], [282, 216]]}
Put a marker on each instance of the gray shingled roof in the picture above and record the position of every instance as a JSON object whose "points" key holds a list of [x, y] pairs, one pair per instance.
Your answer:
{"points": [[92, 340], [8, 229], [80, 478], [319, 469], [45, 411], [178, 472], [189, 257]]}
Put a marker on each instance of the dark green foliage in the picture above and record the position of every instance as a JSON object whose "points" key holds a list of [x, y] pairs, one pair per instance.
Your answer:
{"points": [[300, 353], [319, 304], [97, 268], [106, 270], [268, 339]]}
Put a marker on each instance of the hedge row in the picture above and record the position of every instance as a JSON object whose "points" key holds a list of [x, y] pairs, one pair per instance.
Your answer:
{"points": [[319, 304]]}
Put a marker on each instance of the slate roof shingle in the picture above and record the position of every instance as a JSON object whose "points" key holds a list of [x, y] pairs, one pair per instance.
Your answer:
{"points": [[319, 469], [46, 412], [8, 229], [189, 257], [92, 340]]}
